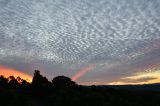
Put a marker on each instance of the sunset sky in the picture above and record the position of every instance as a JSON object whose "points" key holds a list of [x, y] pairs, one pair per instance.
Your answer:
{"points": [[91, 41]]}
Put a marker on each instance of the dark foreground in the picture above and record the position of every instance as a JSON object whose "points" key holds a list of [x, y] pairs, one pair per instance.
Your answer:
{"points": [[64, 92]]}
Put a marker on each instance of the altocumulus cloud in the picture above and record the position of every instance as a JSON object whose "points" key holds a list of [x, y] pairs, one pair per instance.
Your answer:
{"points": [[118, 37]]}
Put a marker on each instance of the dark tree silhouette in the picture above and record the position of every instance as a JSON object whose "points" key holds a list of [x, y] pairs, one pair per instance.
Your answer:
{"points": [[12, 81], [62, 81], [19, 79], [39, 80], [40, 85], [3, 81]]}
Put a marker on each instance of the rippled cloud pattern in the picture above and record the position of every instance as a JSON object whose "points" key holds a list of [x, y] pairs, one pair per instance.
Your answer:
{"points": [[118, 37]]}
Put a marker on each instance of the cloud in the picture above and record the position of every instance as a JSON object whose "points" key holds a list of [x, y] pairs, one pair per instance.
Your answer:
{"points": [[120, 37], [140, 80], [82, 72]]}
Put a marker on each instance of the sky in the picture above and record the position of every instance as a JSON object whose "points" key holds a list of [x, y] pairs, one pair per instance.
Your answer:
{"points": [[91, 41]]}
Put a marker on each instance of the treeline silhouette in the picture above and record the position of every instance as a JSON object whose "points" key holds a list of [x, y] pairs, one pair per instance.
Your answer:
{"points": [[62, 91]]}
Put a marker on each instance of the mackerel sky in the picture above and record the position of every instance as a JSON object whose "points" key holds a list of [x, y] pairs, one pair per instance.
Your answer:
{"points": [[93, 41]]}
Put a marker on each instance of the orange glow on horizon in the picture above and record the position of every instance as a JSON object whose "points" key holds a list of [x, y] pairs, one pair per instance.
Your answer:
{"points": [[150, 73], [6, 72]]}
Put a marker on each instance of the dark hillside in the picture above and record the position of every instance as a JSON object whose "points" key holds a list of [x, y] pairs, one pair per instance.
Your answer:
{"points": [[62, 91]]}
